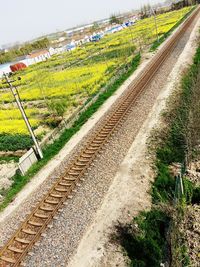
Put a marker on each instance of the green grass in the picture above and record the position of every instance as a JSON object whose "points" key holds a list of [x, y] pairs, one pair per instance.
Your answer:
{"points": [[173, 149], [51, 150], [195, 199], [146, 244], [8, 159], [10, 142]]}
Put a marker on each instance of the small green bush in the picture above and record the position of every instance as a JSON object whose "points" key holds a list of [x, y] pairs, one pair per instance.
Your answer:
{"points": [[164, 185], [196, 196], [146, 246], [9, 158], [188, 190], [9, 142]]}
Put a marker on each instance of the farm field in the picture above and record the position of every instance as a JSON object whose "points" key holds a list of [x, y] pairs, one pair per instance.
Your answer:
{"points": [[54, 89]]}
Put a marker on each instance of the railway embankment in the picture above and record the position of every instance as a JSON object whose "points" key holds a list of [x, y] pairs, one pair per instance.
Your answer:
{"points": [[137, 171], [170, 232]]}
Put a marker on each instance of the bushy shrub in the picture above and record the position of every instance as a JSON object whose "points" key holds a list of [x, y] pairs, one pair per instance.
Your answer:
{"points": [[144, 240], [196, 196], [9, 142], [164, 185]]}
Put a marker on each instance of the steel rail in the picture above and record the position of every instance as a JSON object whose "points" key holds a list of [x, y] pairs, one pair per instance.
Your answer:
{"points": [[16, 249]]}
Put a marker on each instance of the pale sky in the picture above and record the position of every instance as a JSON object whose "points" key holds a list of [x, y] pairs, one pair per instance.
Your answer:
{"points": [[22, 20]]}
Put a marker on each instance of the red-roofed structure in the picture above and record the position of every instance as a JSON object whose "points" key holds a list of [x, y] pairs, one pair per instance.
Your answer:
{"points": [[18, 66]]}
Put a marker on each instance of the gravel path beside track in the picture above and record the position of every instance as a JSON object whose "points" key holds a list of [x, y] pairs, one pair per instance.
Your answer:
{"points": [[63, 238]]}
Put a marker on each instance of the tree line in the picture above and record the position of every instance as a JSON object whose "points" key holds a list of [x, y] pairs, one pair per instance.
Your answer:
{"points": [[27, 48]]}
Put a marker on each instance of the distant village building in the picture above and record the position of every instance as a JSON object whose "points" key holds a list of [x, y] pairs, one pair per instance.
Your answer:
{"points": [[113, 29], [86, 39], [52, 51], [71, 46], [61, 39], [38, 56], [59, 50]]}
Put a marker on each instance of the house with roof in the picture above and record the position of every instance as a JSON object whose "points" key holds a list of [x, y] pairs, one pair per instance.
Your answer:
{"points": [[38, 56], [52, 51], [71, 46]]}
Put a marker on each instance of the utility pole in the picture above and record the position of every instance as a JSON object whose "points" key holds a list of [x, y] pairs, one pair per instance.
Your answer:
{"points": [[129, 27], [19, 104], [132, 39], [155, 20], [140, 44]]}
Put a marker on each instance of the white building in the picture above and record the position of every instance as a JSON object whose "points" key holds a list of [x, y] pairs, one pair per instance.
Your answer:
{"points": [[38, 57], [59, 50], [52, 51]]}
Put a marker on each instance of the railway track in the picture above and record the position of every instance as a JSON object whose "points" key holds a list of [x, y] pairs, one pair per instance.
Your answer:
{"points": [[16, 249]]}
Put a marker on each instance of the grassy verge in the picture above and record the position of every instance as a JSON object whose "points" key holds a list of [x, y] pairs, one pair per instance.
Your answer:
{"points": [[157, 43], [144, 240], [51, 150], [178, 143], [154, 237], [10, 142], [9, 159]]}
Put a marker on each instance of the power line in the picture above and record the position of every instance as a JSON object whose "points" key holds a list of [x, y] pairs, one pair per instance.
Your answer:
{"points": [[155, 20]]}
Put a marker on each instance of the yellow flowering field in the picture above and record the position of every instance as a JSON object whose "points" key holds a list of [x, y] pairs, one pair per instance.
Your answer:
{"points": [[17, 126], [71, 78]]}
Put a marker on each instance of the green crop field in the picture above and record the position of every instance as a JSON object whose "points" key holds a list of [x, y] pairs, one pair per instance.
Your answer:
{"points": [[53, 89]]}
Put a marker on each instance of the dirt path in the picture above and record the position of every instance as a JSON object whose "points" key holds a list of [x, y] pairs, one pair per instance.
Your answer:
{"points": [[123, 200]]}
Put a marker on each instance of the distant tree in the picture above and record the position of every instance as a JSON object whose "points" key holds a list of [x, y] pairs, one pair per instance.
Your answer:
{"points": [[27, 48], [39, 77], [114, 19], [191, 2], [5, 57], [145, 11], [95, 26], [58, 106], [148, 7], [64, 34]]}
